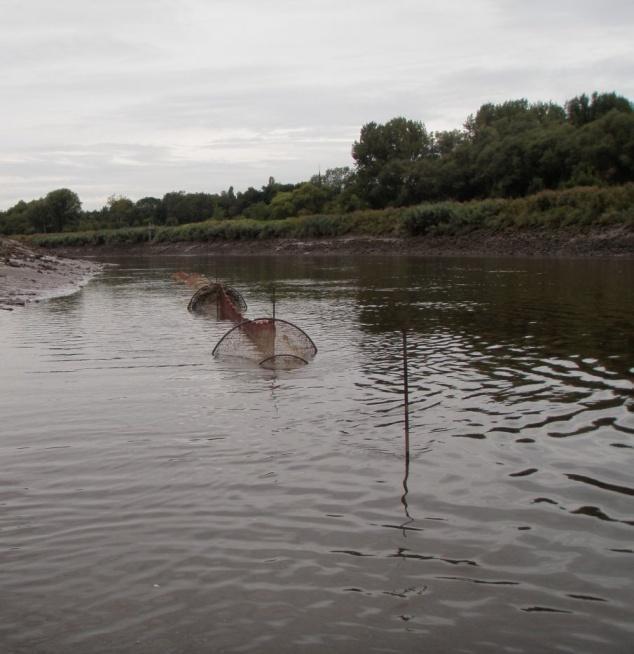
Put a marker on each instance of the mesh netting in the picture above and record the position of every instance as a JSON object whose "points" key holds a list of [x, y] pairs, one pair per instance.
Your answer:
{"points": [[216, 299], [271, 342], [236, 298]]}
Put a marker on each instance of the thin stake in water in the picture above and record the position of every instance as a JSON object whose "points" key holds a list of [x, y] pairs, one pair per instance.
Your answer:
{"points": [[406, 393]]}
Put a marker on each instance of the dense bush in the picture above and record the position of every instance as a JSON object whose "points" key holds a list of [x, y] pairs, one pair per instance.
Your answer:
{"points": [[421, 219]]}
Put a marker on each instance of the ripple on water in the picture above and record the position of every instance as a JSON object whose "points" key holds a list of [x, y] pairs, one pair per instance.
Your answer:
{"points": [[154, 499]]}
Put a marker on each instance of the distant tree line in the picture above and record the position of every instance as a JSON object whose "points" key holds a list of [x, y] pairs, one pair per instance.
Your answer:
{"points": [[506, 150]]}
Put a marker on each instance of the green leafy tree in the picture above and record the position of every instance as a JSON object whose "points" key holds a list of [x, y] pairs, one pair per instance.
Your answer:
{"points": [[509, 118], [307, 198], [180, 207], [16, 219], [63, 208], [282, 205], [606, 147], [384, 153], [149, 210], [258, 211], [121, 211], [39, 216], [336, 180], [582, 110], [444, 143]]}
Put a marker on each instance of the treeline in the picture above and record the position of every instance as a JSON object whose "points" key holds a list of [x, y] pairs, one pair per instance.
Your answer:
{"points": [[506, 150], [575, 209]]}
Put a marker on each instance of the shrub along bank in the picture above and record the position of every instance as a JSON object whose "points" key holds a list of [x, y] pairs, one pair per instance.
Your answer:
{"points": [[548, 210]]}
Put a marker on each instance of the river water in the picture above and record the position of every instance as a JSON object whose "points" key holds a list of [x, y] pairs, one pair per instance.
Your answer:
{"points": [[155, 499]]}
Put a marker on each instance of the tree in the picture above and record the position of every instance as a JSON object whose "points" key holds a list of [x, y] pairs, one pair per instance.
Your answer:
{"points": [[258, 211], [15, 220], [582, 110], [228, 202], [249, 198], [606, 147], [334, 179], [307, 198], [180, 207], [39, 216], [444, 143], [121, 211], [64, 209], [511, 117], [148, 210], [385, 151]]}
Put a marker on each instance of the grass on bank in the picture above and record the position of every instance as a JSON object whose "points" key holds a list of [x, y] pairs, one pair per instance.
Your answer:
{"points": [[579, 207]]}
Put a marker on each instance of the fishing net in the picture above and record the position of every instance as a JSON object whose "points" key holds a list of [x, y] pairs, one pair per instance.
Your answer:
{"points": [[223, 301], [273, 343]]}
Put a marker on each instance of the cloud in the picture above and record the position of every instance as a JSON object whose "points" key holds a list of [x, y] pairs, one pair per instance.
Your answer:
{"points": [[141, 97]]}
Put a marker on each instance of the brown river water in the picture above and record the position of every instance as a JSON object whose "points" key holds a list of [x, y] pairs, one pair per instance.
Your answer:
{"points": [[154, 499]]}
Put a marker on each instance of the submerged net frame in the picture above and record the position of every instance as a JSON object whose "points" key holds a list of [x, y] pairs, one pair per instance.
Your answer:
{"points": [[273, 343]]}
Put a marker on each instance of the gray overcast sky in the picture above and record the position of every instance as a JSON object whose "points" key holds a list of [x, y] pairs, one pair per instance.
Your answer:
{"points": [[141, 97]]}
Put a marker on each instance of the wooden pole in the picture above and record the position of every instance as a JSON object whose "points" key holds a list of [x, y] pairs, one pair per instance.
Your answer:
{"points": [[406, 393]]}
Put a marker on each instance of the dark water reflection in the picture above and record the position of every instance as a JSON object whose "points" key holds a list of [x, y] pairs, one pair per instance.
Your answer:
{"points": [[156, 500]]}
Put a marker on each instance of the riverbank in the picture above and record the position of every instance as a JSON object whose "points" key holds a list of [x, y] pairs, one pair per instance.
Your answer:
{"points": [[564, 242], [30, 274], [584, 221]]}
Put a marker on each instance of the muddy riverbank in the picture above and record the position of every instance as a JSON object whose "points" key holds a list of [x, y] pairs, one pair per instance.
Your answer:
{"points": [[30, 274], [573, 242]]}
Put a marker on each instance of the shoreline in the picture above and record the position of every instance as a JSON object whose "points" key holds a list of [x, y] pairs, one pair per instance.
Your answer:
{"points": [[30, 274], [591, 242]]}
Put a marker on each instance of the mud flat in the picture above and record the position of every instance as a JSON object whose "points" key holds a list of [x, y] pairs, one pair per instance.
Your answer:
{"points": [[614, 241], [29, 274]]}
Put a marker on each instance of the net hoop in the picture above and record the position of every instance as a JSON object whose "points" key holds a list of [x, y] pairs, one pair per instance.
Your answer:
{"points": [[237, 298], [216, 289], [269, 362], [265, 320]]}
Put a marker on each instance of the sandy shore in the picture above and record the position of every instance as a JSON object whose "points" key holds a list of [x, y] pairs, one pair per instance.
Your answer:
{"points": [[30, 275]]}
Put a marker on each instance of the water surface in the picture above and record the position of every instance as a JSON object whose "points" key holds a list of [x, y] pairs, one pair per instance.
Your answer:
{"points": [[154, 499]]}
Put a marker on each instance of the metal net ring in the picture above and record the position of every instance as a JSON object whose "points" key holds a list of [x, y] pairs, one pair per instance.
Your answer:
{"points": [[266, 338], [283, 362], [237, 298]]}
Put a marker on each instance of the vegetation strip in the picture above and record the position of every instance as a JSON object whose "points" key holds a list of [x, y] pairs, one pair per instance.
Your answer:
{"points": [[504, 152], [578, 208]]}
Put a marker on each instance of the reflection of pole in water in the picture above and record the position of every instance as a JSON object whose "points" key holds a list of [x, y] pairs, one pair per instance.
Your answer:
{"points": [[406, 411], [273, 298], [217, 299], [274, 387], [404, 495]]}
